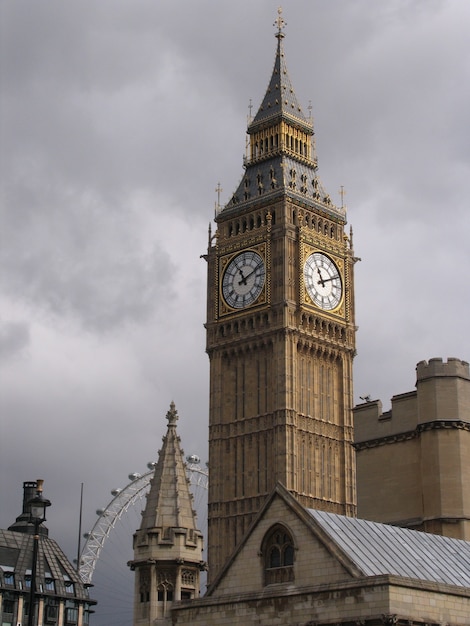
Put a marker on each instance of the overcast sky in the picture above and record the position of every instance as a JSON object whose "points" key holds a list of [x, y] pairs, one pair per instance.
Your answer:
{"points": [[118, 120]]}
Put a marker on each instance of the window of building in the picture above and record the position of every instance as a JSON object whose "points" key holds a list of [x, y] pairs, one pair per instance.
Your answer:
{"points": [[278, 552], [71, 617], [164, 594], [86, 615], [51, 612], [144, 584], [9, 578], [69, 585], [27, 579], [7, 612], [49, 582]]}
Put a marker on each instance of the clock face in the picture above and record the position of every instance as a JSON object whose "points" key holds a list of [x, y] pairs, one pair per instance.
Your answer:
{"points": [[323, 281], [243, 280]]}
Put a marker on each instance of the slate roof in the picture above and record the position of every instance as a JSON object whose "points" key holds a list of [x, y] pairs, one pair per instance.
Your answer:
{"points": [[380, 549], [16, 549], [280, 98], [281, 171], [169, 502]]}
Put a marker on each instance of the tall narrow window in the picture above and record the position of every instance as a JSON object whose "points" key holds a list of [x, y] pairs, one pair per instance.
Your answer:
{"points": [[278, 553]]}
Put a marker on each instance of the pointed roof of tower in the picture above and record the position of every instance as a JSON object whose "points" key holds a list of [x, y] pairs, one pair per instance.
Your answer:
{"points": [[281, 159], [169, 502], [280, 99]]}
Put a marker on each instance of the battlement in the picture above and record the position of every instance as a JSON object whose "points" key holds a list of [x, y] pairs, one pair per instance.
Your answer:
{"points": [[437, 368]]}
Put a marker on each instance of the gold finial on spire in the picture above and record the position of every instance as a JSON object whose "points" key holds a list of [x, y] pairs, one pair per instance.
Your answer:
{"points": [[280, 23]]}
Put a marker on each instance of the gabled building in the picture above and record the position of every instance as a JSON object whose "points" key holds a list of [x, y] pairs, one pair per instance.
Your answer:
{"points": [[168, 545], [61, 597], [298, 566]]}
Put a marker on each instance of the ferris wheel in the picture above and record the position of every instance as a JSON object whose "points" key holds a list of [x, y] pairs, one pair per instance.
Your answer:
{"points": [[125, 499]]}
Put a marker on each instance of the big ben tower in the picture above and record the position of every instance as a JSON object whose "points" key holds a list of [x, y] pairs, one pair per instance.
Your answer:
{"points": [[280, 330]]}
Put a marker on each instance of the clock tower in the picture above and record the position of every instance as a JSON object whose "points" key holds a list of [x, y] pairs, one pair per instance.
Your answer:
{"points": [[280, 330]]}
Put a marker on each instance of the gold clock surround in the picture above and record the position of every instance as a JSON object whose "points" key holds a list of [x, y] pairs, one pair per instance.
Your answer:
{"points": [[224, 263], [305, 297]]}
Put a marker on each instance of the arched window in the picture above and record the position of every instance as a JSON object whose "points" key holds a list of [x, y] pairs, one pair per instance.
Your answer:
{"points": [[278, 554]]}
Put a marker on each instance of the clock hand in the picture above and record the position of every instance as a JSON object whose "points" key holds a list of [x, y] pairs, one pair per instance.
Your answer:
{"points": [[247, 276], [325, 280], [243, 280], [321, 281]]}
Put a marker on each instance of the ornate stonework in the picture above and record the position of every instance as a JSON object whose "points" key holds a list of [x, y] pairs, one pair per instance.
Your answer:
{"points": [[280, 334]]}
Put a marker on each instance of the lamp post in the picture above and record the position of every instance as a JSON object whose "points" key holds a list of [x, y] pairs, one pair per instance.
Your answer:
{"points": [[38, 506]]}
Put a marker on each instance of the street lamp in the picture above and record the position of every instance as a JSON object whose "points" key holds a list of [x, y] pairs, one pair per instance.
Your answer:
{"points": [[37, 507]]}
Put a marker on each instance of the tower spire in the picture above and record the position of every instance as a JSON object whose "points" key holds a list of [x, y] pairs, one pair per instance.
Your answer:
{"points": [[280, 98], [280, 156], [168, 545], [169, 503]]}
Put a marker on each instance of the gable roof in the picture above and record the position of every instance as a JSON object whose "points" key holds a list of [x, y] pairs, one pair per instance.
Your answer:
{"points": [[367, 549], [378, 549]]}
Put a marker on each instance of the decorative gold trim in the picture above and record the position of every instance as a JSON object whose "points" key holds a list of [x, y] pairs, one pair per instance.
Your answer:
{"points": [[225, 260], [306, 250]]}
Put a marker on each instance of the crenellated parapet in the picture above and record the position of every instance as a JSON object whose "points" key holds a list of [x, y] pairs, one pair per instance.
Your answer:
{"points": [[437, 368], [412, 461]]}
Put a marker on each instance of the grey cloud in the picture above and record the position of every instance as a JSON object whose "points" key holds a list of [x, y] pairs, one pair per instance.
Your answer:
{"points": [[117, 120], [77, 258], [14, 338]]}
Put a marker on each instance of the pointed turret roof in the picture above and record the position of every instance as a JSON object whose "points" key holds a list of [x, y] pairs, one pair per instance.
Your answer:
{"points": [[169, 502], [280, 99], [281, 159]]}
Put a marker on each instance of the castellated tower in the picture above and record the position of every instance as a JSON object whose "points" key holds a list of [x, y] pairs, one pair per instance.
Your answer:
{"points": [[413, 462], [168, 546]]}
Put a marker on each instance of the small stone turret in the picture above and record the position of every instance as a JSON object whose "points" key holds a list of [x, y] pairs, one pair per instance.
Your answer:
{"points": [[168, 546], [443, 390]]}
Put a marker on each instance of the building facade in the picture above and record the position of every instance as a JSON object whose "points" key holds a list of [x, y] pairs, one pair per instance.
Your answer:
{"points": [[301, 567], [61, 598], [280, 330], [413, 462]]}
